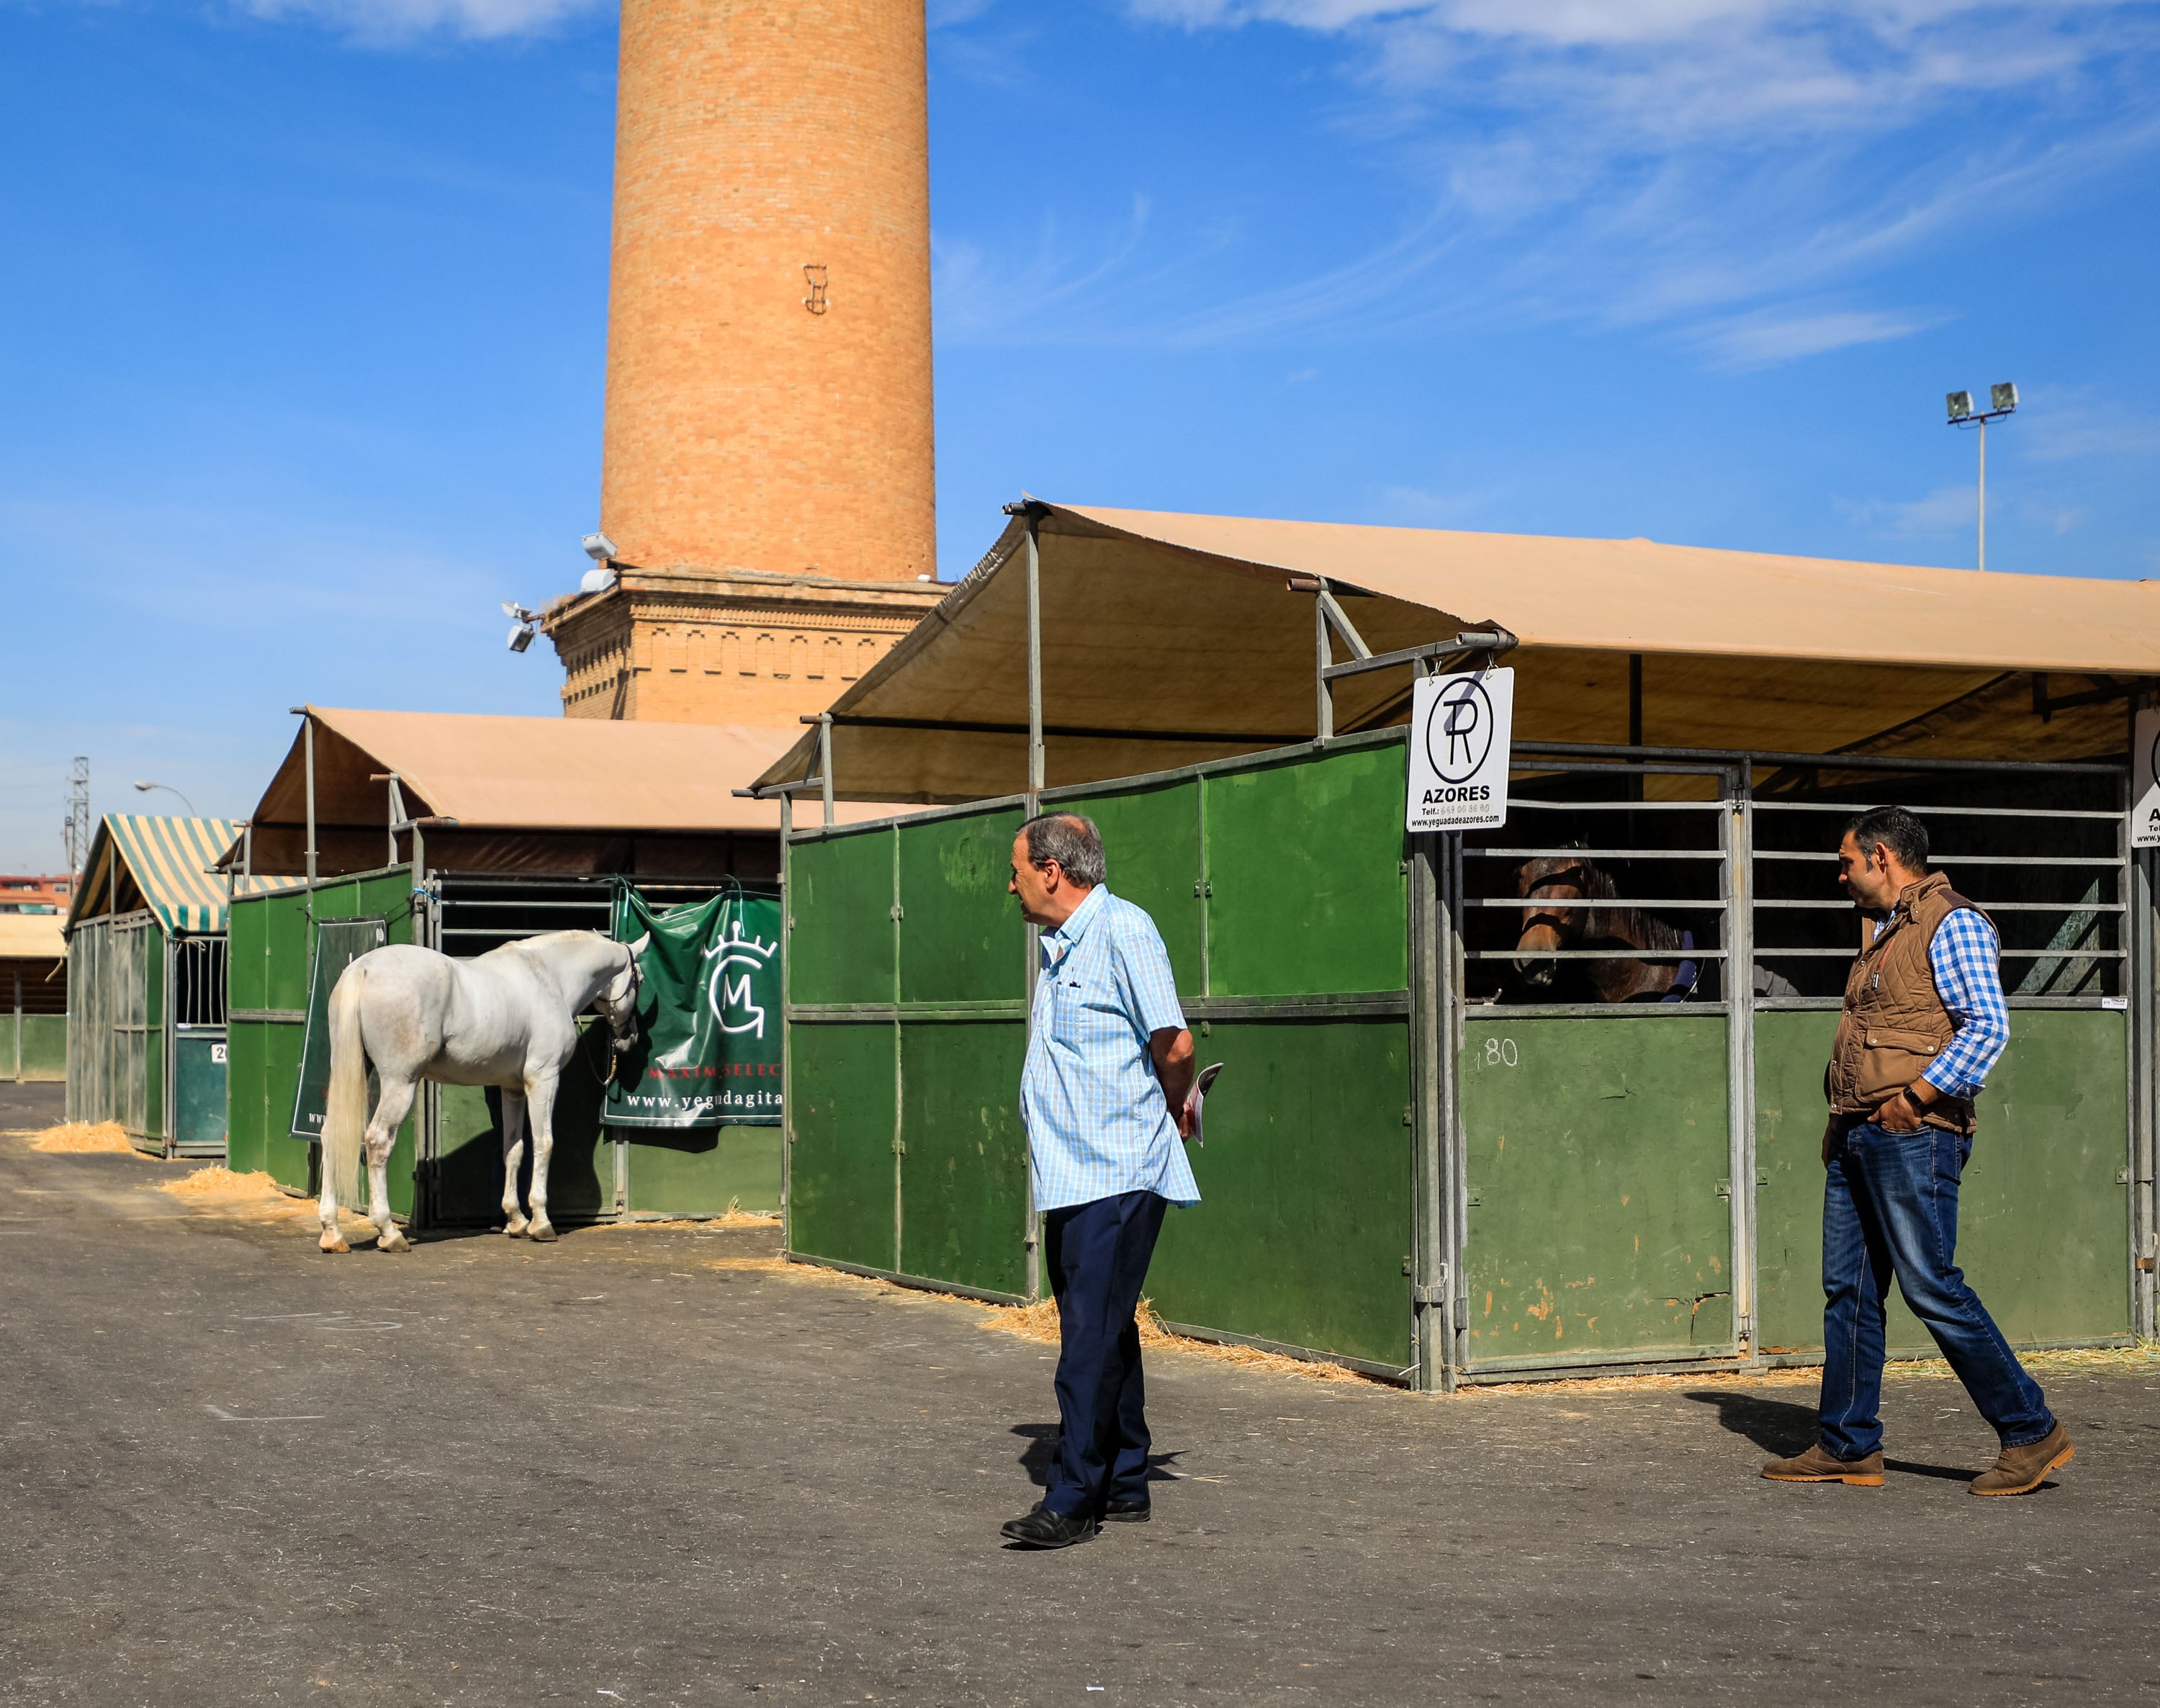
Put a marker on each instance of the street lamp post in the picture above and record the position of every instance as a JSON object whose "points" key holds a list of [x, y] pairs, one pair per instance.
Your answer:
{"points": [[2002, 402]]}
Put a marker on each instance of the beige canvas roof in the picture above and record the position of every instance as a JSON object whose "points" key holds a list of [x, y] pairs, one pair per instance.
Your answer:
{"points": [[31, 937], [523, 778], [1169, 639]]}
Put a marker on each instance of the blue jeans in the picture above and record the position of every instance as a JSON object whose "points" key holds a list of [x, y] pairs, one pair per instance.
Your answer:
{"points": [[1098, 1255], [1890, 1208]]}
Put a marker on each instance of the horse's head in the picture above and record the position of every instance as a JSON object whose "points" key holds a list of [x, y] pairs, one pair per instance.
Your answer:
{"points": [[618, 997], [1555, 889]]}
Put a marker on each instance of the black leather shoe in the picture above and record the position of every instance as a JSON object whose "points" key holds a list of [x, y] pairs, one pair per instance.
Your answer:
{"points": [[1128, 1512], [1044, 1528]]}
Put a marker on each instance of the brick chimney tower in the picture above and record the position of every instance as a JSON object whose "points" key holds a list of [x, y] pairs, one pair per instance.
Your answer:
{"points": [[768, 478]]}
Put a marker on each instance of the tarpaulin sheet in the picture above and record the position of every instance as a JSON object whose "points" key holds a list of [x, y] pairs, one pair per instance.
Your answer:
{"points": [[1168, 639], [707, 1052]]}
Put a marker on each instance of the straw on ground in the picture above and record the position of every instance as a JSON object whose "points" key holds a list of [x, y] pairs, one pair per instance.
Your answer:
{"points": [[77, 1138]]}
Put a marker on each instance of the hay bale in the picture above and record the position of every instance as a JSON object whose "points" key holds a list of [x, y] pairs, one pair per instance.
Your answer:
{"points": [[77, 1138]]}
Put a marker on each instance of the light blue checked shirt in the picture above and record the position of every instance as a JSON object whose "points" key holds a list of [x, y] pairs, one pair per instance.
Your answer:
{"points": [[1097, 1122], [1966, 958]]}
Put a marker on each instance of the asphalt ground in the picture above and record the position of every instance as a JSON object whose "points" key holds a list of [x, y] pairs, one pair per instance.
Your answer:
{"points": [[614, 1471]]}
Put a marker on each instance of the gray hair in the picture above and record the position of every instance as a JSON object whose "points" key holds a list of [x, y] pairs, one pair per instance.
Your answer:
{"points": [[1073, 842]]}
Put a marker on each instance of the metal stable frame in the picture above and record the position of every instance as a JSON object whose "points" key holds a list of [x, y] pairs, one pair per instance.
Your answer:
{"points": [[1436, 1011]]}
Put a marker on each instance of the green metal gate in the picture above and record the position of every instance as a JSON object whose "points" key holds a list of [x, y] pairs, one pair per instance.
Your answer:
{"points": [[1414, 1166], [906, 1155]]}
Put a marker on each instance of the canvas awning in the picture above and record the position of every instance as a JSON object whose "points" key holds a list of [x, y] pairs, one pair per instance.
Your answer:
{"points": [[1169, 639], [138, 862], [494, 793], [31, 937]]}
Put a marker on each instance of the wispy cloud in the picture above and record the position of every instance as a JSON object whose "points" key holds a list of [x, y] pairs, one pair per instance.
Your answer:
{"points": [[1732, 171], [1773, 337], [389, 22]]}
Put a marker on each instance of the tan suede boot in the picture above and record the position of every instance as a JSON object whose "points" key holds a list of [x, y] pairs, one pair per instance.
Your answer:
{"points": [[2021, 1470], [1816, 1465]]}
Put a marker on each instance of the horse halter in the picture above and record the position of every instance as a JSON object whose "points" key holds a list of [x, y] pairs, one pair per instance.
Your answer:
{"points": [[1577, 874]]}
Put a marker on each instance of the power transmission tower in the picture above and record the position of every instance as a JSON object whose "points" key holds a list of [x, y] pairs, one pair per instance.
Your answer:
{"points": [[75, 832]]}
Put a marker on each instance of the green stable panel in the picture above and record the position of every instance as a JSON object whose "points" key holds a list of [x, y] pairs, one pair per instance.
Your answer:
{"points": [[840, 907], [1151, 844], [199, 1093], [289, 1161], [705, 1172], [964, 1174], [44, 1045], [1595, 1149], [1305, 872], [1304, 1218], [840, 1166], [961, 936], [246, 989], [2043, 1213]]}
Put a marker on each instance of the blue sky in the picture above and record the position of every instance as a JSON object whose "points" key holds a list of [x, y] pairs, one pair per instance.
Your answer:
{"points": [[302, 311]]}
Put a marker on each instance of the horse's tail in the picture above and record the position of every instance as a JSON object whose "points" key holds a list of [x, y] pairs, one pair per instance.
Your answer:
{"points": [[345, 1116]]}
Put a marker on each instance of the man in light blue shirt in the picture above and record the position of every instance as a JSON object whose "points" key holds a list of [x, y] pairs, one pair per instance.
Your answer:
{"points": [[1110, 1062]]}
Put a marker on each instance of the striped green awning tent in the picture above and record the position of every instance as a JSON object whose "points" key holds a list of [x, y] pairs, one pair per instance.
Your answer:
{"points": [[137, 862]]}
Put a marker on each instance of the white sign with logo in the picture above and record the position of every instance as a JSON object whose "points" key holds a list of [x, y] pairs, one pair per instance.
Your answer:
{"points": [[2145, 782], [1461, 727]]}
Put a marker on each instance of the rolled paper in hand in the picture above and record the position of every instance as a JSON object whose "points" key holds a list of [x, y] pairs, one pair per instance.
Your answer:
{"points": [[1195, 1098]]}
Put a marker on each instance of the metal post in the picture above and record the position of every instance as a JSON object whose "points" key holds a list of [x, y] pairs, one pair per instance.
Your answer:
{"points": [[1738, 828], [787, 1037], [307, 743], [1983, 492], [1430, 1267], [1447, 961], [2141, 971], [1323, 655], [1035, 774], [1035, 757], [898, 1072], [825, 760], [18, 1025]]}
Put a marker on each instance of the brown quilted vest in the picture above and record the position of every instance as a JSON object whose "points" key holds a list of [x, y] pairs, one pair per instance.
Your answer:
{"points": [[1894, 1023]]}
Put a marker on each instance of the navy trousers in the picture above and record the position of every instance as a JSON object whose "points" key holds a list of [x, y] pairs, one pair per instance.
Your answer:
{"points": [[1098, 1256]]}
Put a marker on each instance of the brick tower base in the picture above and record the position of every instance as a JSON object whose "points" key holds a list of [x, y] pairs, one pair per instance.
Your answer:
{"points": [[686, 645]]}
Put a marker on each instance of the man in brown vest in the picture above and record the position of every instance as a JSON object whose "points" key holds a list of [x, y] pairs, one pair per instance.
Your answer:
{"points": [[1924, 1020]]}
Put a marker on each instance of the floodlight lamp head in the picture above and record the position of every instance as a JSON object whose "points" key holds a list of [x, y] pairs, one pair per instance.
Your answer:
{"points": [[599, 547], [516, 612], [1959, 404], [521, 637], [2002, 399], [597, 579]]}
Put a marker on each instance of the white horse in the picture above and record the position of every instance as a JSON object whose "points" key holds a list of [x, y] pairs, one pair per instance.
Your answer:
{"points": [[507, 1019]]}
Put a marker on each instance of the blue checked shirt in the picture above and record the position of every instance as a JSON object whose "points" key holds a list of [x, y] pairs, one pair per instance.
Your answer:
{"points": [[1097, 1122], [1965, 958]]}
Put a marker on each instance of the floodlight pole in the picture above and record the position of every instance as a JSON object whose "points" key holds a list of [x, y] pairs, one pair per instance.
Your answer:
{"points": [[1979, 420]]}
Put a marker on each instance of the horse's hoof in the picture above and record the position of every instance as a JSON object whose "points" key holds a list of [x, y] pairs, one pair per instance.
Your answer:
{"points": [[518, 1232], [393, 1241], [540, 1230], [332, 1241]]}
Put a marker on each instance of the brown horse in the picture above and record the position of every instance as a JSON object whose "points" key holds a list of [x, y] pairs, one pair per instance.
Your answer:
{"points": [[1571, 902]]}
